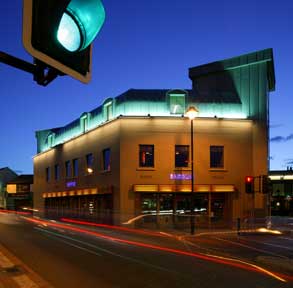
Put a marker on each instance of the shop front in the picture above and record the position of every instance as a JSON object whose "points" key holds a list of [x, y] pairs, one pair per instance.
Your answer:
{"points": [[87, 204], [173, 208]]}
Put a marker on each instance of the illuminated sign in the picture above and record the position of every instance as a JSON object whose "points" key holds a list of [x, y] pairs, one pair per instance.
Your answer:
{"points": [[71, 184], [175, 176]]}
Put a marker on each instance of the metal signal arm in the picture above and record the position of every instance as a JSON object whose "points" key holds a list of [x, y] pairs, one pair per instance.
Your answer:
{"points": [[43, 74]]}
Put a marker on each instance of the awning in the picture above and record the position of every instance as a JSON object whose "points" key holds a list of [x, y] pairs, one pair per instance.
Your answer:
{"points": [[80, 192], [171, 188]]}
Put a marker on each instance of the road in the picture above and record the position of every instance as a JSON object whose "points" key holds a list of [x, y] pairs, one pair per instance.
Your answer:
{"points": [[67, 255], [269, 250]]}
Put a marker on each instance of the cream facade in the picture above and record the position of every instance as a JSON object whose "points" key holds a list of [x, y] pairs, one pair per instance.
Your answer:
{"points": [[129, 159]]}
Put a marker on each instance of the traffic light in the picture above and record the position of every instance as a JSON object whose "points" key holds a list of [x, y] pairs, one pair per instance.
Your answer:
{"points": [[59, 33], [249, 184], [266, 184]]}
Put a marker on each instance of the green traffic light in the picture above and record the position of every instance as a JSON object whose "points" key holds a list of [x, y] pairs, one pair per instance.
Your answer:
{"points": [[80, 24]]}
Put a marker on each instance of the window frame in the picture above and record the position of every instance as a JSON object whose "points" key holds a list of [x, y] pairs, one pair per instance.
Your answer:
{"points": [[57, 172], [75, 167], [152, 165], [89, 159], [188, 156], [106, 166], [213, 164], [48, 174], [68, 169]]}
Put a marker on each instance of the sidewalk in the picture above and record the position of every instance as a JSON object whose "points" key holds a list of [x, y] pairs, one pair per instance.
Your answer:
{"points": [[15, 274]]}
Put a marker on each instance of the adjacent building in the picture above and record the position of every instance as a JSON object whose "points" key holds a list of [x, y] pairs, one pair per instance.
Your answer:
{"points": [[19, 194], [281, 192], [6, 174], [130, 158]]}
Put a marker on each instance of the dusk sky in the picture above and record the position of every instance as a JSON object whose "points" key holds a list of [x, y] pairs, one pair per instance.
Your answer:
{"points": [[146, 44]]}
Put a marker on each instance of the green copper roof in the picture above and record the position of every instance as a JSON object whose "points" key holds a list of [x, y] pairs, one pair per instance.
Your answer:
{"points": [[253, 58], [232, 88]]}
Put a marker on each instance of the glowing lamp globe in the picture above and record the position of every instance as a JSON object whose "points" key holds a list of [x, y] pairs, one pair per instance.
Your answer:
{"points": [[80, 24]]}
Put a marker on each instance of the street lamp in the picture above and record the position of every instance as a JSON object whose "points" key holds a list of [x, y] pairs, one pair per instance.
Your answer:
{"points": [[191, 113]]}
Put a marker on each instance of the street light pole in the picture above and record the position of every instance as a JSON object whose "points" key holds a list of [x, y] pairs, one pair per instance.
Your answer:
{"points": [[192, 228], [191, 113]]}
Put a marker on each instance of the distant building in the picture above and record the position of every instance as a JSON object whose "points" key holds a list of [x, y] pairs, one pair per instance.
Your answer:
{"points": [[6, 174], [282, 192], [19, 193], [131, 156]]}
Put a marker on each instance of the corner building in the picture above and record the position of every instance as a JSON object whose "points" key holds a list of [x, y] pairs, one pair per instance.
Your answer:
{"points": [[129, 159]]}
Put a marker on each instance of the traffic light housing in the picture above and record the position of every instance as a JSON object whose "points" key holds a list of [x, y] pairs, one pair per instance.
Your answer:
{"points": [[249, 184], [266, 185], [60, 33]]}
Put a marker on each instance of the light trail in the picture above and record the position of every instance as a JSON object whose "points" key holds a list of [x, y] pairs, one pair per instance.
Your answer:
{"points": [[68, 220], [3, 211], [212, 258]]}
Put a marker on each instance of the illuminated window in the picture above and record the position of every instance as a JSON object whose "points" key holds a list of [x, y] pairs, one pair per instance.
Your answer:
{"points": [[108, 109], [146, 155], [68, 169], [84, 123], [56, 172], [181, 155], [89, 163], [48, 174], [216, 156], [50, 140], [75, 167], [177, 103], [107, 159]]}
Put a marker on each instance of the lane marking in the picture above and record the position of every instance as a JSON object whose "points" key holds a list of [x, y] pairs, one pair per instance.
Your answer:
{"points": [[290, 239], [265, 271], [56, 236], [216, 259], [104, 250], [270, 244], [250, 247], [25, 282]]}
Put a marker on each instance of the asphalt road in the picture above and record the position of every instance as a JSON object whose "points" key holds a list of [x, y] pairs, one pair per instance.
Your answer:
{"points": [[69, 256], [271, 251]]}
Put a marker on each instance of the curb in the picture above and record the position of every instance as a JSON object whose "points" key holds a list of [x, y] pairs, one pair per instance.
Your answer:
{"points": [[15, 274]]}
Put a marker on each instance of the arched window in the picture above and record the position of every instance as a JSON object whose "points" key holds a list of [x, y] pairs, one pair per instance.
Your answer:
{"points": [[50, 140], [176, 100], [108, 109]]}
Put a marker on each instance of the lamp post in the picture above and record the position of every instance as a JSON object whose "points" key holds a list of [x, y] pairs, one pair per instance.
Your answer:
{"points": [[191, 114]]}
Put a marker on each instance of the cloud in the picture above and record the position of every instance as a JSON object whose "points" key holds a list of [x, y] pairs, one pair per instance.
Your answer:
{"points": [[289, 162], [279, 139], [275, 125]]}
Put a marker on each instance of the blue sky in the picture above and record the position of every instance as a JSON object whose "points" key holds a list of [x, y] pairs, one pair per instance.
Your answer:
{"points": [[146, 44]]}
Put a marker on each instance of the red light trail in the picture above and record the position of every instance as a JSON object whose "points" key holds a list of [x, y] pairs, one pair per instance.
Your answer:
{"points": [[216, 259]]}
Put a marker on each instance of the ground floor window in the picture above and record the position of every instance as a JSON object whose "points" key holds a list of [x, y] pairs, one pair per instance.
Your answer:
{"points": [[97, 208], [208, 207]]}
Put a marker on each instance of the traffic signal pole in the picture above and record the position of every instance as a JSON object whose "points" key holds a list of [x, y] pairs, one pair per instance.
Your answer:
{"points": [[42, 73]]}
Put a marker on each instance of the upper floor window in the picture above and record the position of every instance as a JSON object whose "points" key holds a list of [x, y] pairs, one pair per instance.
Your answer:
{"points": [[48, 174], [75, 167], [84, 123], [68, 169], [181, 155], [107, 159], [146, 155], [57, 172], [108, 110], [177, 101], [50, 140], [89, 163], [216, 156]]}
